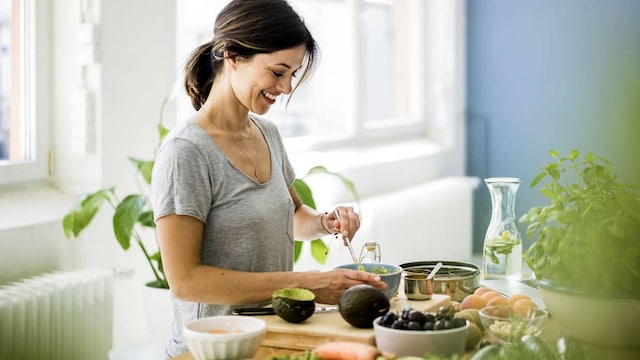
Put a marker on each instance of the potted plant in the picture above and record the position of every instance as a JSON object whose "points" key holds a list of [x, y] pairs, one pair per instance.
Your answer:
{"points": [[587, 254]]}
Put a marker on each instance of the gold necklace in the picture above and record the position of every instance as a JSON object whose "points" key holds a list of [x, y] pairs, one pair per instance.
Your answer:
{"points": [[255, 147]]}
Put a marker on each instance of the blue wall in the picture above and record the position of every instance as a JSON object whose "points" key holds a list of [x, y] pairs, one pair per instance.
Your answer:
{"points": [[551, 74]]}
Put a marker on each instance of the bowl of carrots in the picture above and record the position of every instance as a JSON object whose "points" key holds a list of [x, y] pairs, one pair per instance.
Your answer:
{"points": [[224, 337]]}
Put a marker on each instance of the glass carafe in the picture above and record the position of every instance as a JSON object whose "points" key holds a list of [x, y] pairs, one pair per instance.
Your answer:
{"points": [[370, 253], [502, 250]]}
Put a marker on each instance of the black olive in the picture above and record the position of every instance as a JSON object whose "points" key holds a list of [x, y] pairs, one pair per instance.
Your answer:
{"points": [[405, 313], [388, 318], [399, 324], [439, 325], [414, 325], [417, 316], [428, 325], [459, 322], [443, 312], [448, 324], [428, 316]]}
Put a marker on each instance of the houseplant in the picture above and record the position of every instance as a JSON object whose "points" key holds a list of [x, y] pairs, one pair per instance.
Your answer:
{"points": [[587, 251], [134, 211]]}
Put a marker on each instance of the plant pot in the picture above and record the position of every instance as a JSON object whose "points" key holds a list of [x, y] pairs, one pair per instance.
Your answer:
{"points": [[597, 319], [158, 313]]}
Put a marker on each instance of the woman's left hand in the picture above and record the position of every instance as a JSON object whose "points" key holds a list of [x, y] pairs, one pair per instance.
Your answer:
{"points": [[345, 221]]}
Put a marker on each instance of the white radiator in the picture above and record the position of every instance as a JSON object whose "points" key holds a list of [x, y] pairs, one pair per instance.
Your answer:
{"points": [[62, 315]]}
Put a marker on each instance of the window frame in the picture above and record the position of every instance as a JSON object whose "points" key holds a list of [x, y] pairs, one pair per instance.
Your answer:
{"points": [[359, 133], [35, 61]]}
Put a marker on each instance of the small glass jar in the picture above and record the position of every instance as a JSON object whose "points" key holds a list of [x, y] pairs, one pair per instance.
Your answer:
{"points": [[370, 253]]}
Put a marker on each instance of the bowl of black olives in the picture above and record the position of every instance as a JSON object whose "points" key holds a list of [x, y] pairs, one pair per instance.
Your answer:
{"points": [[412, 332]]}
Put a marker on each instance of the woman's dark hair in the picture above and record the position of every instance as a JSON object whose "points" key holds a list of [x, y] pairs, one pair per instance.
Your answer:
{"points": [[245, 28]]}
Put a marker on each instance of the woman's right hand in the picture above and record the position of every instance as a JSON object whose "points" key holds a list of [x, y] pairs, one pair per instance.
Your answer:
{"points": [[329, 285]]}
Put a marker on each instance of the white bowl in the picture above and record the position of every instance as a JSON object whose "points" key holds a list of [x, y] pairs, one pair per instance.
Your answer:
{"points": [[594, 319], [241, 338], [420, 342]]}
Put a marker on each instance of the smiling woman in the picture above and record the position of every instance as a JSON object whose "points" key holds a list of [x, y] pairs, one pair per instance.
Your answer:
{"points": [[225, 205]]}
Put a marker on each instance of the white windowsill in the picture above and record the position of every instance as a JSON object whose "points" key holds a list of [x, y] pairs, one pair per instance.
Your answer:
{"points": [[32, 204], [351, 157]]}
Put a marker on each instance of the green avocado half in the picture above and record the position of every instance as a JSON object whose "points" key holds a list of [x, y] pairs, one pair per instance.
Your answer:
{"points": [[293, 304]]}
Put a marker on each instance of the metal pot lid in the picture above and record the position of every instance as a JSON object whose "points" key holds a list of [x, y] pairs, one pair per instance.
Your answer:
{"points": [[449, 270]]}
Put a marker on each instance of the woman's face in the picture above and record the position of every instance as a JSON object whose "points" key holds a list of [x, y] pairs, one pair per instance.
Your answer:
{"points": [[258, 81]]}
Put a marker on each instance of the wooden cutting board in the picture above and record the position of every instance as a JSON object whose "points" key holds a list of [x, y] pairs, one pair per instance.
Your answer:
{"points": [[324, 327]]}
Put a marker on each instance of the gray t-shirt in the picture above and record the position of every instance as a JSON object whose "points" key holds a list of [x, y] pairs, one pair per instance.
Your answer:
{"points": [[248, 226]]}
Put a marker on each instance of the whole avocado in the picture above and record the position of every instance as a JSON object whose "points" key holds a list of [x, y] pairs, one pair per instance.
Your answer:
{"points": [[360, 304]]}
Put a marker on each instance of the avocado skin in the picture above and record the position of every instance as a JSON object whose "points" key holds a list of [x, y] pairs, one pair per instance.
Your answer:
{"points": [[292, 310], [359, 305]]}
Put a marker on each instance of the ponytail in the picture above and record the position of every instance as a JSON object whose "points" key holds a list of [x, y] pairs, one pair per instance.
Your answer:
{"points": [[200, 71]]}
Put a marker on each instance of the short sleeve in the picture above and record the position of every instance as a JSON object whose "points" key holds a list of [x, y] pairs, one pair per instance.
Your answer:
{"points": [[180, 181]]}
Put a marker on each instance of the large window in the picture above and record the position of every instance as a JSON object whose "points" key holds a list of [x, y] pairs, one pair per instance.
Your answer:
{"points": [[22, 152], [369, 85]]}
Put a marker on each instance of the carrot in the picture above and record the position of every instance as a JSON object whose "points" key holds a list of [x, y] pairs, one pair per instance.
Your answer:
{"points": [[345, 350]]}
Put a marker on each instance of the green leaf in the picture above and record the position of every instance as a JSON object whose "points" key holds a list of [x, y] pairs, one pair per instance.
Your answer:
{"points": [[125, 217], [84, 211], [158, 284], [548, 193], [157, 257], [145, 167], [304, 193], [319, 250], [297, 249], [67, 225], [555, 174], [574, 154], [537, 179], [162, 132], [146, 219], [553, 153]]}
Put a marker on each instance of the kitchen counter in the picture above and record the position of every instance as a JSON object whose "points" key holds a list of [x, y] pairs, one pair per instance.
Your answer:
{"points": [[292, 339], [283, 338]]}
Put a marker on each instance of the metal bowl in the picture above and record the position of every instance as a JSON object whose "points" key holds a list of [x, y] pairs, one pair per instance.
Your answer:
{"points": [[417, 286], [456, 279]]}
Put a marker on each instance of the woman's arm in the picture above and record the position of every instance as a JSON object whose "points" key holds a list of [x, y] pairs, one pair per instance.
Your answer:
{"points": [[180, 238], [309, 224]]}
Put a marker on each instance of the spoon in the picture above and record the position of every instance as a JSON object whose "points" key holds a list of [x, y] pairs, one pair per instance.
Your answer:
{"points": [[434, 271], [353, 254]]}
